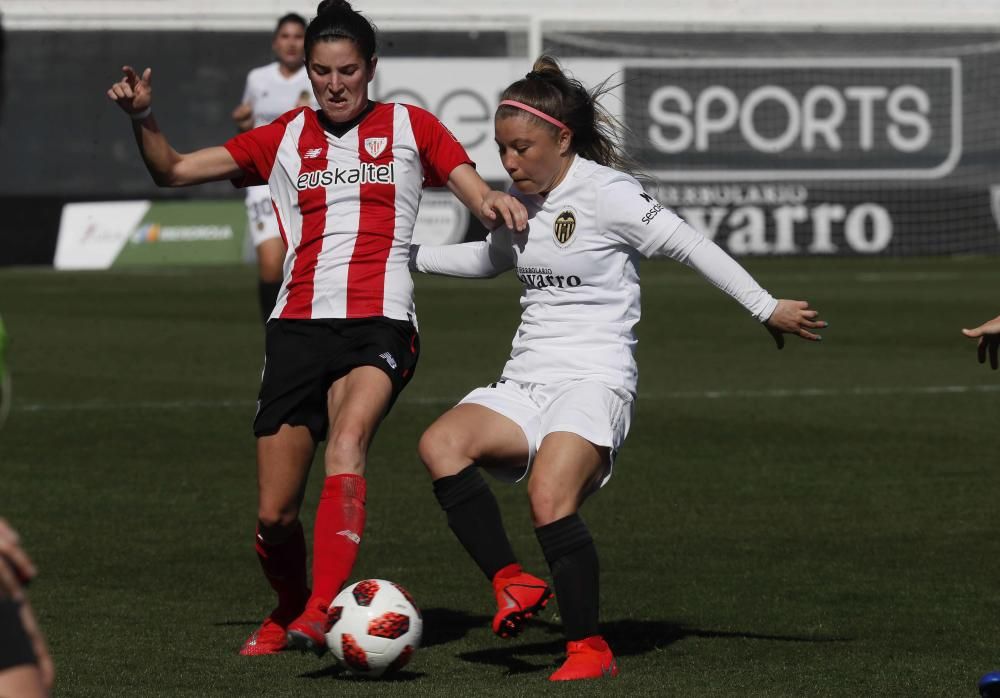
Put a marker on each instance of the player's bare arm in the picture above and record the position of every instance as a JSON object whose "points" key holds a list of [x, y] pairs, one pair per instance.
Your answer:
{"points": [[492, 208], [134, 95], [988, 335], [795, 318]]}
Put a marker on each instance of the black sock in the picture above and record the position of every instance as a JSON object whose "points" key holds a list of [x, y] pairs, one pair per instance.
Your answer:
{"points": [[267, 296], [572, 557], [474, 517]]}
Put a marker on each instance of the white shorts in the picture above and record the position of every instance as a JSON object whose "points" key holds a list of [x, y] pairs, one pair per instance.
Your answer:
{"points": [[262, 224], [600, 414]]}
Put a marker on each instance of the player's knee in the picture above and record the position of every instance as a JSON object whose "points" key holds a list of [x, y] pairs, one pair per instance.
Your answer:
{"points": [[440, 448], [548, 503], [275, 523], [345, 450]]}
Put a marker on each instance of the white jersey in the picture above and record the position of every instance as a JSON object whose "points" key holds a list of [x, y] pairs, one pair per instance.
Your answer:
{"points": [[270, 94], [579, 263]]}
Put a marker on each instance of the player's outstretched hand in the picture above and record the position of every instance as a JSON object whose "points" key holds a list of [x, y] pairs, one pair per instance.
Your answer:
{"points": [[505, 210], [134, 94], [988, 335], [794, 317], [16, 568]]}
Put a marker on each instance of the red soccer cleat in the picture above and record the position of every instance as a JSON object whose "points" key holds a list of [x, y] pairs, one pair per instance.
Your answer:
{"points": [[307, 633], [269, 638], [519, 596], [589, 658]]}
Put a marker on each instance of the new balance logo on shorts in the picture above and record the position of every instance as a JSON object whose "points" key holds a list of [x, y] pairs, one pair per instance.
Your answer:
{"points": [[389, 359]]}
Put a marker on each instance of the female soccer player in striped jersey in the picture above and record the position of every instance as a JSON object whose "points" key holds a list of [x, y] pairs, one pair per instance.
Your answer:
{"points": [[341, 342], [564, 401], [270, 91]]}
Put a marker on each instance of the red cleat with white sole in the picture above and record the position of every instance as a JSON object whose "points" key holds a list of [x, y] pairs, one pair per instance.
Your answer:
{"points": [[589, 658], [307, 633], [269, 638], [519, 597]]}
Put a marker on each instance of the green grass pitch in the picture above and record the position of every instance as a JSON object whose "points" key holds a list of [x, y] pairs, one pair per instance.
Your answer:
{"points": [[820, 521]]}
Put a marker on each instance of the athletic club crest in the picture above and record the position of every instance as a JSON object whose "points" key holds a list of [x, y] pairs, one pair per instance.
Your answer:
{"points": [[375, 146], [564, 227]]}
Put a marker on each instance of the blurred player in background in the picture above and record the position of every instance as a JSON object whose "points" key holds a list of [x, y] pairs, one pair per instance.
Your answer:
{"points": [[342, 341], [988, 335], [271, 90], [562, 407], [26, 669]]}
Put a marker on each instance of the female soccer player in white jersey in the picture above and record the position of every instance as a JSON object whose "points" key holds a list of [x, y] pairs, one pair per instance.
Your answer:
{"points": [[271, 90], [341, 342], [564, 401]]}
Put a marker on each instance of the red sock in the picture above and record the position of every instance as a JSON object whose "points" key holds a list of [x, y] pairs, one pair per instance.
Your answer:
{"points": [[340, 521], [284, 565]]}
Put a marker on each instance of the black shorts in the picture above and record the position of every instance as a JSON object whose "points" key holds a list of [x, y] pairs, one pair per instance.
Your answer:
{"points": [[15, 647], [302, 359]]}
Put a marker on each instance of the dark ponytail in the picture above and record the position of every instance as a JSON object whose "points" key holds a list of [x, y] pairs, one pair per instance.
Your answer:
{"points": [[336, 19], [595, 131]]}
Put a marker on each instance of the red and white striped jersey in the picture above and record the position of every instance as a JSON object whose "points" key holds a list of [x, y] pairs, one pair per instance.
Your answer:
{"points": [[346, 206]]}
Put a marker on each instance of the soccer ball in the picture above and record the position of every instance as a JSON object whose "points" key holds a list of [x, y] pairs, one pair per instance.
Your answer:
{"points": [[374, 627]]}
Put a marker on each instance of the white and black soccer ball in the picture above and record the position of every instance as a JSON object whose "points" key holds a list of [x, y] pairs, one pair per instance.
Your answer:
{"points": [[375, 627]]}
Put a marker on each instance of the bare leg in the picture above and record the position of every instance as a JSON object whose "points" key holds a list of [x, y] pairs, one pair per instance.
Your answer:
{"points": [[283, 461], [356, 404], [270, 260], [567, 470], [470, 433]]}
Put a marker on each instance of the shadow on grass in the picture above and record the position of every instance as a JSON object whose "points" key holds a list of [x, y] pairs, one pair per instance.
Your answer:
{"points": [[626, 637], [444, 625], [338, 673]]}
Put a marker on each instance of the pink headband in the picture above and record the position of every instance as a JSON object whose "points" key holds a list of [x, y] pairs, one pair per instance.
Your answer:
{"points": [[540, 114]]}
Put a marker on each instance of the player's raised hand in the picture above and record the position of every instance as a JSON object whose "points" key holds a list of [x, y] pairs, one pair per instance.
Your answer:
{"points": [[134, 94], [505, 210], [988, 335], [794, 317]]}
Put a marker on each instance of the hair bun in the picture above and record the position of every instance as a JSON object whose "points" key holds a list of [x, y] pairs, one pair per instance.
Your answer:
{"points": [[333, 6]]}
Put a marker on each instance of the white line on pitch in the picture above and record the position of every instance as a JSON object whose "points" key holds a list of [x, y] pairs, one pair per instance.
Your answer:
{"points": [[861, 391], [826, 392], [125, 405]]}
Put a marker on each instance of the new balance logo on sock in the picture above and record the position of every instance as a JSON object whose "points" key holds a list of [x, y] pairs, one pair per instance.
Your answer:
{"points": [[389, 359], [350, 535]]}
